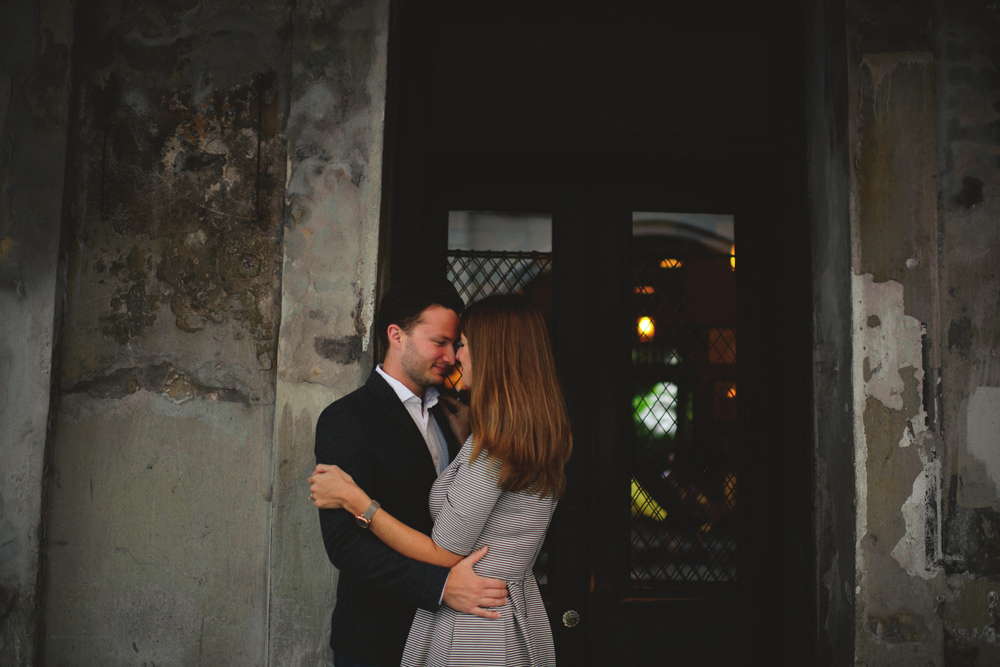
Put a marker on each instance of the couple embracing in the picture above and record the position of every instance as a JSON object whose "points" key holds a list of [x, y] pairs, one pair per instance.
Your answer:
{"points": [[432, 511]]}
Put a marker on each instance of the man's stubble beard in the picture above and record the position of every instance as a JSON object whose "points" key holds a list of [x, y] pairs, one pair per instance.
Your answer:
{"points": [[420, 376]]}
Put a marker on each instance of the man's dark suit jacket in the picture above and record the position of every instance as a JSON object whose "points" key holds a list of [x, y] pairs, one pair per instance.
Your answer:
{"points": [[369, 434]]}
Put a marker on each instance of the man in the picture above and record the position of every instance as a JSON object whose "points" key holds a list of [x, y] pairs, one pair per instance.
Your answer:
{"points": [[387, 437]]}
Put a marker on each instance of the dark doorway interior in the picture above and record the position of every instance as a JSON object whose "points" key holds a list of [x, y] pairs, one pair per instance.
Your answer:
{"points": [[656, 142]]}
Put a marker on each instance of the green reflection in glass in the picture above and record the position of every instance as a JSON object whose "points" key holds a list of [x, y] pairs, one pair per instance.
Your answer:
{"points": [[655, 412]]}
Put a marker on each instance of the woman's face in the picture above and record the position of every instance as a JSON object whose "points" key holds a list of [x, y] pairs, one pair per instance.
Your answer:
{"points": [[464, 357]]}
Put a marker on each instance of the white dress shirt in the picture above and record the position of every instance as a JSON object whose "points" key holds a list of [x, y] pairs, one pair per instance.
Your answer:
{"points": [[420, 412]]}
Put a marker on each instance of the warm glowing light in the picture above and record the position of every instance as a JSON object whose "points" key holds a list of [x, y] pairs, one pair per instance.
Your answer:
{"points": [[671, 264], [647, 328], [454, 379], [732, 391], [644, 289], [729, 488], [732, 256]]}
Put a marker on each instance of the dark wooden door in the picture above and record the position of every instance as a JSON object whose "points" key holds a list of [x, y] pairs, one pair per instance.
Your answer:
{"points": [[696, 445], [685, 536]]}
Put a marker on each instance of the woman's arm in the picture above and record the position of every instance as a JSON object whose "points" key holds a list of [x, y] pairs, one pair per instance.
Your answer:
{"points": [[332, 488]]}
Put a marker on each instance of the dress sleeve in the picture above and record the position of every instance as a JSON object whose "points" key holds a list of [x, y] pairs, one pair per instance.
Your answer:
{"points": [[468, 501]]}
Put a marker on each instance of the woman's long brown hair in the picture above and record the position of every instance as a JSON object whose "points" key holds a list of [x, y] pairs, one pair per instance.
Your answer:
{"points": [[517, 410]]}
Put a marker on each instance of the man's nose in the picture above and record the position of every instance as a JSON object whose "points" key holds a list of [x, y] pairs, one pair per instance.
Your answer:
{"points": [[450, 356]]}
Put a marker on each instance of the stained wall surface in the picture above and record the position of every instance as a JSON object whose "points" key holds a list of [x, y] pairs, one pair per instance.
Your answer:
{"points": [[969, 243], [925, 99], [159, 488]]}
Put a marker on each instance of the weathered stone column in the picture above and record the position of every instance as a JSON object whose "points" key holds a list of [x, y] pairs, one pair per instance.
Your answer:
{"points": [[898, 449], [334, 192], [35, 43], [159, 497]]}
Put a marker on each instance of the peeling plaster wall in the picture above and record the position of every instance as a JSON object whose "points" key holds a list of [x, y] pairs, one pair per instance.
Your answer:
{"points": [[330, 260], [35, 43], [925, 158], [898, 552], [898, 489], [160, 484]]}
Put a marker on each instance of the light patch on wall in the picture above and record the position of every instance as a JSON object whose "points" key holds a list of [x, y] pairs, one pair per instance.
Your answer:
{"points": [[859, 285], [368, 314], [915, 553], [980, 483], [894, 344]]}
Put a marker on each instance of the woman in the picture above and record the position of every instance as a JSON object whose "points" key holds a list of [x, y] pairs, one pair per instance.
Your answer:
{"points": [[500, 491]]}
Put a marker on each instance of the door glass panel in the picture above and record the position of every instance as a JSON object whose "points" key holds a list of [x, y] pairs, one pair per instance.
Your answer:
{"points": [[682, 376], [492, 252]]}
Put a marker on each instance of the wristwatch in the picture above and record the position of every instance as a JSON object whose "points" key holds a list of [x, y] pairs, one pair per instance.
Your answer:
{"points": [[364, 520]]}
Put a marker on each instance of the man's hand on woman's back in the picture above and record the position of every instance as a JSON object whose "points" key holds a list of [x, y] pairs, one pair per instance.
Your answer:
{"points": [[467, 592]]}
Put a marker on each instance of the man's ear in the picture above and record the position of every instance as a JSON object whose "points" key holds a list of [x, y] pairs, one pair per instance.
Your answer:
{"points": [[396, 333]]}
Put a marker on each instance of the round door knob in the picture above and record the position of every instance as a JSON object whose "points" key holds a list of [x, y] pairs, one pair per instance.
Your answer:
{"points": [[571, 618]]}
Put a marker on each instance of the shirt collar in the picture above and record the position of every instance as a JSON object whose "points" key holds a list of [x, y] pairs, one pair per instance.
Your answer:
{"points": [[405, 395]]}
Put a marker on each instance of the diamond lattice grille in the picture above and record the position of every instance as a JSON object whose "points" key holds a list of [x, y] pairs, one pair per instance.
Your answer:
{"points": [[683, 455], [477, 274]]}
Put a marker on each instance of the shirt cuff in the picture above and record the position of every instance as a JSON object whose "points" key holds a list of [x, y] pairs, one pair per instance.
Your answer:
{"points": [[441, 598]]}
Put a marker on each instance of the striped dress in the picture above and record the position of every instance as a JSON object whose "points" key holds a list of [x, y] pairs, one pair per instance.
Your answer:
{"points": [[471, 511]]}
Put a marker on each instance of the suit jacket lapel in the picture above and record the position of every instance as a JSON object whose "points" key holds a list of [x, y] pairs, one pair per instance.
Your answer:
{"points": [[449, 437], [399, 417]]}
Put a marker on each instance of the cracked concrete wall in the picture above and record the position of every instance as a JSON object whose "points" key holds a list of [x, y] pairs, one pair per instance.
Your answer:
{"points": [[161, 462], [925, 98], [35, 43]]}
